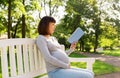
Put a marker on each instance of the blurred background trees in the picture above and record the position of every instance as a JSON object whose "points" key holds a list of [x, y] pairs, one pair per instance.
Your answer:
{"points": [[99, 19]]}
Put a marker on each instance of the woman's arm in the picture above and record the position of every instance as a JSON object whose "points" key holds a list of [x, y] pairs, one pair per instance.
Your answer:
{"points": [[42, 45], [72, 48]]}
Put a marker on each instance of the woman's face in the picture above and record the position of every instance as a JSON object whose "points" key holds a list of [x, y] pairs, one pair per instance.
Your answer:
{"points": [[51, 27]]}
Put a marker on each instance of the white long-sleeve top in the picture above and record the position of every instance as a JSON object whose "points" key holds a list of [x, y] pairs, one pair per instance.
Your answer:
{"points": [[54, 55]]}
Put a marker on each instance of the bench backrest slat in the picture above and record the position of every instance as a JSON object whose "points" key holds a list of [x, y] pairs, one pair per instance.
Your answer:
{"points": [[4, 62], [36, 58], [12, 60], [19, 59], [31, 55], [25, 57]]}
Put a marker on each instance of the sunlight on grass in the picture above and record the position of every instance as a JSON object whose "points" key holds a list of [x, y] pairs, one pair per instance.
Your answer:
{"points": [[112, 52], [103, 68], [0, 75], [78, 64]]}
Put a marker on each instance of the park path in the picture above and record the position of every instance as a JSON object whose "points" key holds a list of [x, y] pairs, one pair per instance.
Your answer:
{"points": [[111, 75], [115, 61]]}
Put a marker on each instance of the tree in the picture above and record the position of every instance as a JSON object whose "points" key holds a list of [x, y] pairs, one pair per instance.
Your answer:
{"points": [[112, 15], [9, 19], [96, 23], [108, 37], [16, 14], [50, 7], [79, 17]]}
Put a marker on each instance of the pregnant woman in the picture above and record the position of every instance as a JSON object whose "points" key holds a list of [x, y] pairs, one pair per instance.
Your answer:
{"points": [[56, 59]]}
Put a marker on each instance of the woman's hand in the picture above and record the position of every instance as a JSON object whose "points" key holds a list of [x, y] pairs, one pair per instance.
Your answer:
{"points": [[73, 45], [68, 66]]}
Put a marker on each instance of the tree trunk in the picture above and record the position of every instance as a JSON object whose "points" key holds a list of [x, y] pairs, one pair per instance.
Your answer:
{"points": [[23, 24], [81, 45], [97, 32], [50, 8], [9, 19], [96, 41], [16, 26], [118, 29]]}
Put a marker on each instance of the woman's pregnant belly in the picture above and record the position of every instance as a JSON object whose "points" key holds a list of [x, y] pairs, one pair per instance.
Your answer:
{"points": [[60, 55]]}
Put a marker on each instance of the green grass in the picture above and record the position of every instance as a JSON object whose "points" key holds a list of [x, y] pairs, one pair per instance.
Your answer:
{"points": [[0, 75], [99, 67], [76, 55], [115, 52], [103, 68]]}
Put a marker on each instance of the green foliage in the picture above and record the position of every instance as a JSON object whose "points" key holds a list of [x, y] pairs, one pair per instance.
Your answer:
{"points": [[105, 42], [3, 22], [90, 17], [35, 5], [29, 9], [108, 38], [18, 9], [3, 2]]}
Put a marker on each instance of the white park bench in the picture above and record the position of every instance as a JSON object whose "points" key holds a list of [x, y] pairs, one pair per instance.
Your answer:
{"points": [[20, 58]]}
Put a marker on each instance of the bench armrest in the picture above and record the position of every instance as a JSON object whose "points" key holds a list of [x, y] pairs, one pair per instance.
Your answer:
{"points": [[89, 61]]}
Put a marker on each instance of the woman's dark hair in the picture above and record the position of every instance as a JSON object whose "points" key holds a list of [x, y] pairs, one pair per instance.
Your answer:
{"points": [[44, 24]]}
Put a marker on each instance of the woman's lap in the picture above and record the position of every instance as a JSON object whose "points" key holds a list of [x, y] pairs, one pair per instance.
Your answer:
{"points": [[71, 73]]}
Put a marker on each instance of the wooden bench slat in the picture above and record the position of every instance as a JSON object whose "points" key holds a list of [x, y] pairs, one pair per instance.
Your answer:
{"points": [[40, 60], [31, 54], [12, 61], [4, 62], [25, 57], [36, 57], [19, 59]]}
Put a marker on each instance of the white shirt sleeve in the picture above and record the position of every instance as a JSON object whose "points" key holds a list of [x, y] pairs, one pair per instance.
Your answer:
{"points": [[42, 46]]}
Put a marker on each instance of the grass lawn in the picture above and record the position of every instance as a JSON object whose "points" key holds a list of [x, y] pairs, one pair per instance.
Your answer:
{"points": [[115, 52], [98, 67]]}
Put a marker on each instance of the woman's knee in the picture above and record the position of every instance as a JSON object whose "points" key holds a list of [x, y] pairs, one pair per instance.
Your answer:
{"points": [[91, 75], [84, 70]]}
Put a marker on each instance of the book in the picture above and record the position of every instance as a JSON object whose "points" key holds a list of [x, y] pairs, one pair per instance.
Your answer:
{"points": [[76, 35]]}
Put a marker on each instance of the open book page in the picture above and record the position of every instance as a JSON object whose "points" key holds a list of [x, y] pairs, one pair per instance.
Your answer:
{"points": [[76, 35]]}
